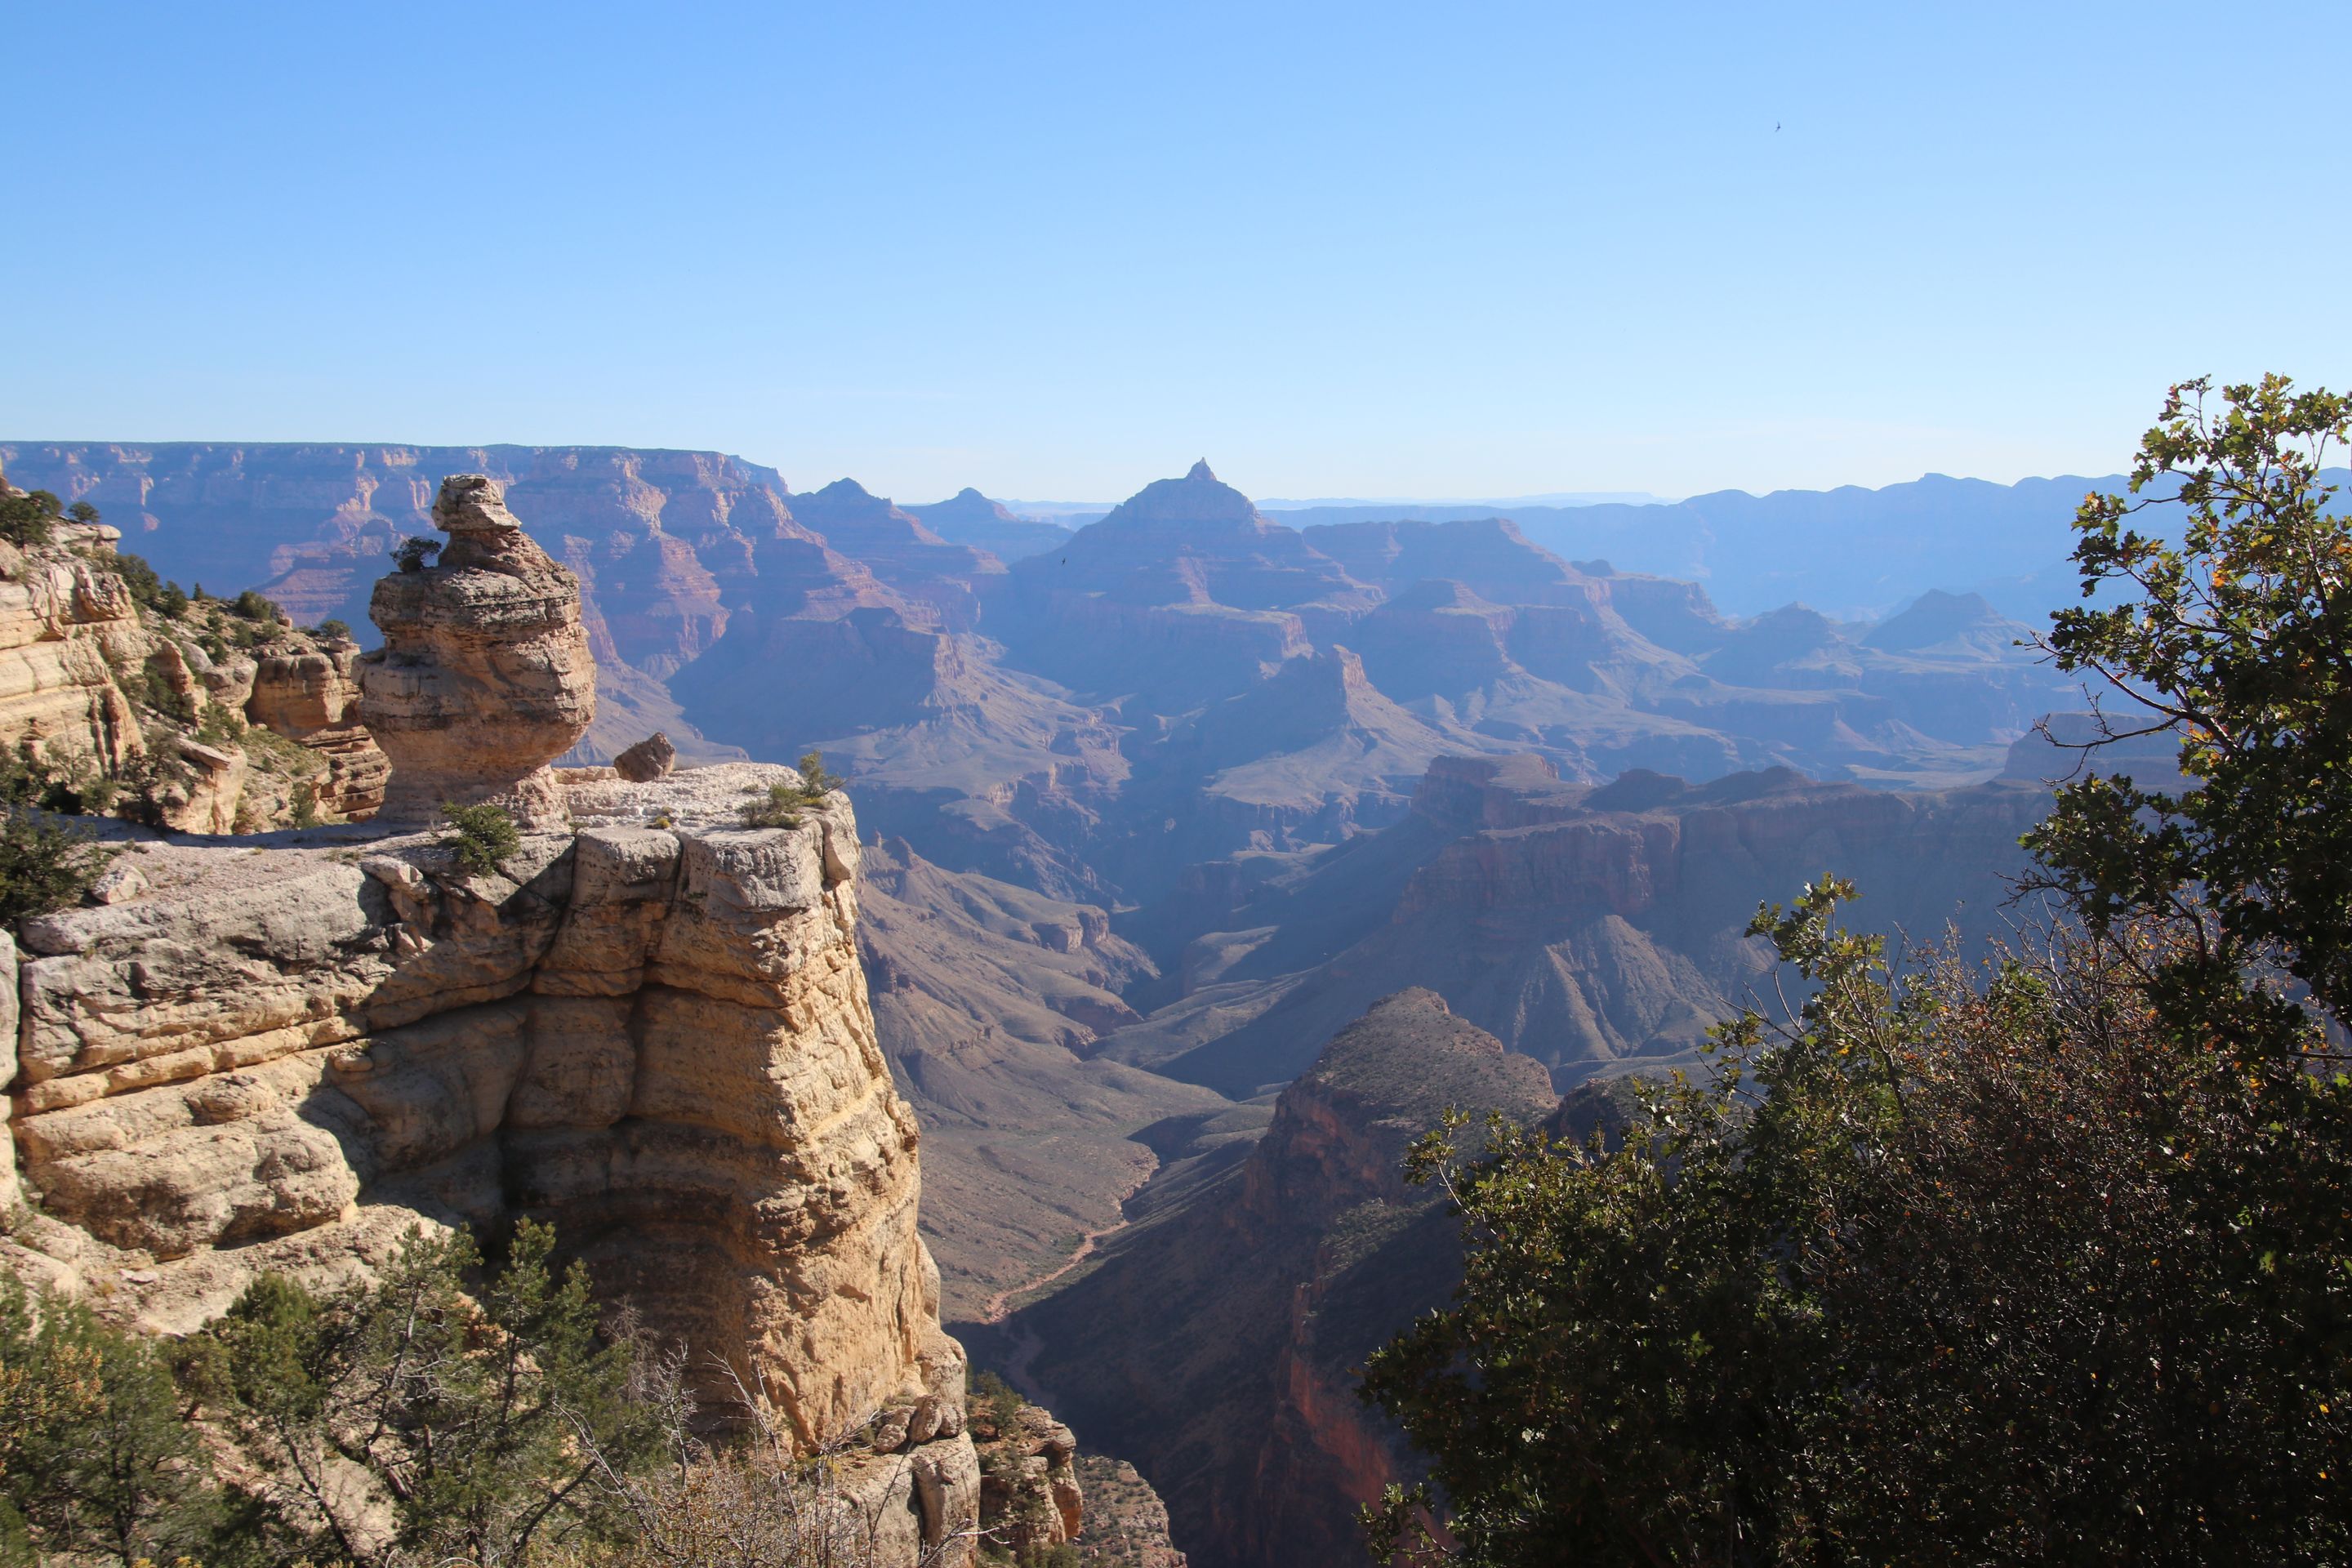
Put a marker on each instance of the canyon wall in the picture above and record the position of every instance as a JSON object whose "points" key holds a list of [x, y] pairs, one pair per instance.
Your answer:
{"points": [[1216, 1345], [204, 733], [651, 1032], [644, 1022]]}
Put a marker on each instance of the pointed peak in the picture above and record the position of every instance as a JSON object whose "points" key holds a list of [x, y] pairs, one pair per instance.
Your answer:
{"points": [[1201, 470]]}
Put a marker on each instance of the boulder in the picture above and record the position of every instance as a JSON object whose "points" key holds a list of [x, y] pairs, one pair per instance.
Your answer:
{"points": [[651, 758]]}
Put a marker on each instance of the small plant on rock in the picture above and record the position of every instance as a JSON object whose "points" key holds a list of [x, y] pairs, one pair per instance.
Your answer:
{"points": [[485, 835], [775, 808], [415, 552], [815, 782]]}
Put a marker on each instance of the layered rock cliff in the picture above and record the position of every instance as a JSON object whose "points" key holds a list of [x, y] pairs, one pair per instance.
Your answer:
{"points": [[647, 1025], [1595, 929], [197, 715]]}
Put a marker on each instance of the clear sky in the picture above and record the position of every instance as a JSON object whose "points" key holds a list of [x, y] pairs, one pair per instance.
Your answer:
{"points": [[1356, 250]]}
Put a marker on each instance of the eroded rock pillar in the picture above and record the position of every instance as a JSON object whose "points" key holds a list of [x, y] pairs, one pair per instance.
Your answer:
{"points": [[484, 676]]}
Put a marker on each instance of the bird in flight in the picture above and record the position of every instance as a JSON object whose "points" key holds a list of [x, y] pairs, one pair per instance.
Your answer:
{"points": [[1776, 125]]}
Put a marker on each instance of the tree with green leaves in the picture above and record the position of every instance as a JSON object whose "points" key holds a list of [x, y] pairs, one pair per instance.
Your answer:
{"points": [[97, 1458], [2237, 639], [27, 519], [483, 1423], [2043, 1259], [482, 837]]}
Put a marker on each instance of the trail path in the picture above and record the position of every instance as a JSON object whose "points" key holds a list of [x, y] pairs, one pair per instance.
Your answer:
{"points": [[1000, 1306], [1022, 1354]]}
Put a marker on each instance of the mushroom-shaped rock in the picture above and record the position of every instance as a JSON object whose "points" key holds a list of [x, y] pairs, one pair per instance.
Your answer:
{"points": [[484, 675]]}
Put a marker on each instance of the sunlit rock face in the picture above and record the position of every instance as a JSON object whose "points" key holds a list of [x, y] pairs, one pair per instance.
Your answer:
{"points": [[485, 676], [650, 1030]]}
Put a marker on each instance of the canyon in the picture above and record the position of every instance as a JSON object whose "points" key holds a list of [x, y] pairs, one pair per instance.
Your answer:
{"points": [[1155, 821]]}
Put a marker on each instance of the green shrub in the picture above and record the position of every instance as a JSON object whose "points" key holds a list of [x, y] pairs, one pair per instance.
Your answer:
{"points": [[485, 836], [27, 519], [815, 781], [331, 630], [490, 1410], [994, 1404], [774, 809], [97, 1458], [415, 552], [780, 807], [81, 511], [250, 606], [45, 864]]}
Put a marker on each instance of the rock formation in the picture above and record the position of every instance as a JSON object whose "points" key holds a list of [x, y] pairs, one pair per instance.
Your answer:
{"points": [[310, 696], [126, 698], [648, 1028], [1216, 1345], [64, 625], [1028, 1480], [651, 758], [970, 518], [1595, 929], [485, 676], [657, 1038]]}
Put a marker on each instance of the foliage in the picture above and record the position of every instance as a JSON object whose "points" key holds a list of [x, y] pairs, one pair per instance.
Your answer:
{"points": [[2045, 1260], [96, 1458], [485, 836], [993, 1405], [815, 781], [46, 864], [28, 518], [780, 807], [2240, 640], [414, 553], [250, 606], [1983, 1268], [749, 1500], [777, 808], [481, 1422], [332, 629], [83, 511]]}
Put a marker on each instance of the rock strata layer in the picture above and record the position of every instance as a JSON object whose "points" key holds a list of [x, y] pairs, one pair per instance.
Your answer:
{"points": [[652, 1032], [485, 676], [99, 689]]}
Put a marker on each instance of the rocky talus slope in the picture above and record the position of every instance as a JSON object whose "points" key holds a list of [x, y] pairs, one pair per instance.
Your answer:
{"points": [[204, 721], [987, 998], [1216, 1344]]}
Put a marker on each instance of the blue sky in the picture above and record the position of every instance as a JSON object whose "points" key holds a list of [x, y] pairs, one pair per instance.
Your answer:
{"points": [[1361, 249]]}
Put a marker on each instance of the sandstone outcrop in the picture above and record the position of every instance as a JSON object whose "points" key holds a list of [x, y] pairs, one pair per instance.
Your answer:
{"points": [[310, 696], [651, 758], [64, 625], [1030, 1499], [126, 703], [652, 1032], [485, 676]]}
